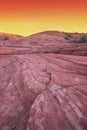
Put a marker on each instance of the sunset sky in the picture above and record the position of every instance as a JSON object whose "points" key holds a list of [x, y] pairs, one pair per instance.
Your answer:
{"points": [[26, 17]]}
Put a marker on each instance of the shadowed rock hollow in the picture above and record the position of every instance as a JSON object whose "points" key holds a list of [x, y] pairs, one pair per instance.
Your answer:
{"points": [[43, 81]]}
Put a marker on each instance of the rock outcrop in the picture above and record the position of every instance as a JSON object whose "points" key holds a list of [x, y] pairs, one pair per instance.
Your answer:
{"points": [[43, 82]]}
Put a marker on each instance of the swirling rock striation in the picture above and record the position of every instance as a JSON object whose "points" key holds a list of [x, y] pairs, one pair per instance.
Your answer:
{"points": [[43, 82]]}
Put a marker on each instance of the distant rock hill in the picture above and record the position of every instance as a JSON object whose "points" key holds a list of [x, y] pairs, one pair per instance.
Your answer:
{"points": [[43, 81], [45, 42]]}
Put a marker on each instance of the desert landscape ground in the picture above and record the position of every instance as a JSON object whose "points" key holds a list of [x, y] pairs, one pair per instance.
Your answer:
{"points": [[43, 81]]}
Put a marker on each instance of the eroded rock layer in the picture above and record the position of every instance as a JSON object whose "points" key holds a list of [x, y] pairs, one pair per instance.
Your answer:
{"points": [[43, 82]]}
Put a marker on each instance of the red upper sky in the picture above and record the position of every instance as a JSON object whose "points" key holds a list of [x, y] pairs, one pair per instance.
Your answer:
{"points": [[10, 6]]}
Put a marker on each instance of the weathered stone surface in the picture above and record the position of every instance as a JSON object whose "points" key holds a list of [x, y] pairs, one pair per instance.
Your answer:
{"points": [[43, 83]]}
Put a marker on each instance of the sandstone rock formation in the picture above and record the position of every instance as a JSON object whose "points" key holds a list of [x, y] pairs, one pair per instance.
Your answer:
{"points": [[43, 82]]}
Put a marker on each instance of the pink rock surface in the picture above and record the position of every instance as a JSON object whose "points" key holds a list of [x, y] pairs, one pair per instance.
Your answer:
{"points": [[43, 82]]}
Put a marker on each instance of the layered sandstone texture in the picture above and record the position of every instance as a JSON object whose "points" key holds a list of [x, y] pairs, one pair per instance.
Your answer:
{"points": [[43, 81]]}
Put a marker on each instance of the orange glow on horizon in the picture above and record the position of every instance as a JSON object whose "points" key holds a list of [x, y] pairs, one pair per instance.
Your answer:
{"points": [[28, 16]]}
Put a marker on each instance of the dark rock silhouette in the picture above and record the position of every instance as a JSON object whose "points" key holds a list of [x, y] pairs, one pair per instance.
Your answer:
{"points": [[43, 82]]}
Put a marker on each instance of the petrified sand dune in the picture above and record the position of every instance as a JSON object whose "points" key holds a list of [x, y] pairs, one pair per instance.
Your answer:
{"points": [[43, 82]]}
